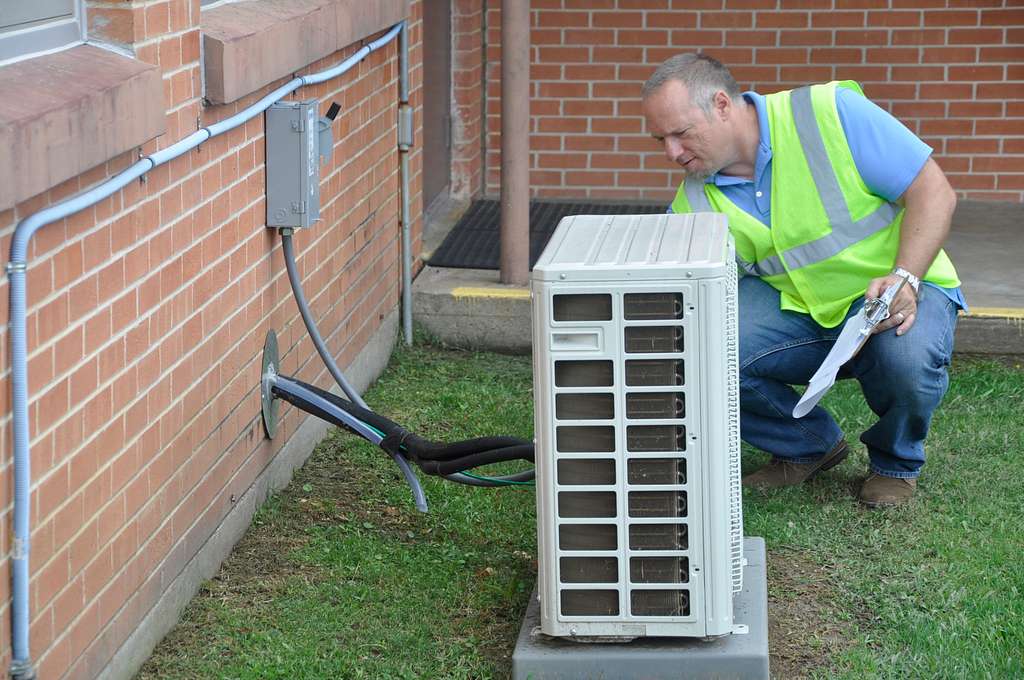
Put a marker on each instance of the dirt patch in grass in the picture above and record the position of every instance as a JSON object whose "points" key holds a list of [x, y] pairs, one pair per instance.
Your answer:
{"points": [[322, 492], [259, 568], [804, 633], [502, 623]]}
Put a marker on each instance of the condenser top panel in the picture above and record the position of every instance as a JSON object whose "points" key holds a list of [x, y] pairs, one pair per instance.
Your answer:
{"points": [[636, 247]]}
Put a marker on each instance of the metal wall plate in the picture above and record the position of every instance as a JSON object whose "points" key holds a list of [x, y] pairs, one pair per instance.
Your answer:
{"points": [[270, 369]]}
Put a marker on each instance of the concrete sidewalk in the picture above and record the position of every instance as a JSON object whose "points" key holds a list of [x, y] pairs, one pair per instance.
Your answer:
{"points": [[470, 308]]}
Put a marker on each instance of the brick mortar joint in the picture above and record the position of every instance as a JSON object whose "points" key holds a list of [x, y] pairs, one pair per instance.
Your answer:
{"points": [[182, 68], [156, 40]]}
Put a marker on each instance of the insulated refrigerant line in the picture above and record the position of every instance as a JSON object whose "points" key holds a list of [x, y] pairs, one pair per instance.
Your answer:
{"points": [[293, 391], [436, 458], [339, 377]]}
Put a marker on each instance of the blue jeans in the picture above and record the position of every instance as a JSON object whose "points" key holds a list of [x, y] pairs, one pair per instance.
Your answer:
{"points": [[903, 379]]}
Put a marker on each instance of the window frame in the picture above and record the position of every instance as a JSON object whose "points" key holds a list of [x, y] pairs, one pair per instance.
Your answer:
{"points": [[44, 37]]}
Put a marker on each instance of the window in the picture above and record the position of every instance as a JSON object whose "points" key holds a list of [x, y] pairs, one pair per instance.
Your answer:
{"points": [[29, 27]]}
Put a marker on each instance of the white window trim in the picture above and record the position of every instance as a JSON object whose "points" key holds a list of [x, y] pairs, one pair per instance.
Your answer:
{"points": [[46, 38]]}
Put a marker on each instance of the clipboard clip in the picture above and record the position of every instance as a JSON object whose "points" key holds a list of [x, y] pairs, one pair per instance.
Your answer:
{"points": [[876, 310]]}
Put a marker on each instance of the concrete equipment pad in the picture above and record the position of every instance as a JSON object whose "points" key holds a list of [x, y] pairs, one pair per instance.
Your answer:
{"points": [[739, 657]]}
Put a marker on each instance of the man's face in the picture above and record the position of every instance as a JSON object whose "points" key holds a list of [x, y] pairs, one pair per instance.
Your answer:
{"points": [[699, 145]]}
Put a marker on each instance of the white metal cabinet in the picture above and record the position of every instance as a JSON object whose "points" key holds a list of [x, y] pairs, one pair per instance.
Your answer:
{"points": [[637, 427]]}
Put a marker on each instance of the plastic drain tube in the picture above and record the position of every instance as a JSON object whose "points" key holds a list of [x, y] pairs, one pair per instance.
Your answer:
{"points": [[21, 662]]}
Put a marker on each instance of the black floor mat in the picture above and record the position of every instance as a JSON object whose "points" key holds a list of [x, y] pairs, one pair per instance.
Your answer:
{"points": [[474, 243]]}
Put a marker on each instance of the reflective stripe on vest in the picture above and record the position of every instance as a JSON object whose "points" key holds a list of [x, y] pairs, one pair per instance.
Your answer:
{"points": [[845, 232], [832, 233]]}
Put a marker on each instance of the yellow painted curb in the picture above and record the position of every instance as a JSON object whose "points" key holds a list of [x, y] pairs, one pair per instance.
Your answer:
{"points": [[997, 312], [505, 293]]}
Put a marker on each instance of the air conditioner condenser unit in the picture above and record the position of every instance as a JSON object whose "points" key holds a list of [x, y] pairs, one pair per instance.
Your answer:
{"points": [[639, 524]]}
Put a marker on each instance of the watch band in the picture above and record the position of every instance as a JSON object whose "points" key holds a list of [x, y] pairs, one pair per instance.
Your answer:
{"points": [[914, 282]]}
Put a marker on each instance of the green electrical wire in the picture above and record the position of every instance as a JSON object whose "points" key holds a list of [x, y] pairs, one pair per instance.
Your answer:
{"points": [[371, 427], [503, 482]]}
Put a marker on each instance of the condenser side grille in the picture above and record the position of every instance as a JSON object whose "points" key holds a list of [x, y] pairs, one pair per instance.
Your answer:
{"points": [[733, 429]]}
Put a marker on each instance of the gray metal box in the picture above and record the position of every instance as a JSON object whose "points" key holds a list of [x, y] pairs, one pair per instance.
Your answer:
{"points": [[293, 164]]}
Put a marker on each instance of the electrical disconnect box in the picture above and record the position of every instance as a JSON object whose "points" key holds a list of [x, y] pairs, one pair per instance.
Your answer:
{"points": [[296, 138], [639, 519]]}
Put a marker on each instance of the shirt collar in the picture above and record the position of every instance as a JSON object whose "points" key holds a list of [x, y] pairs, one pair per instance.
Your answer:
{"points": [[764, 146]]}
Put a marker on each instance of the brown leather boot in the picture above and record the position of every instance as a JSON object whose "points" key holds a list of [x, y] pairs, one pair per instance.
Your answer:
{"points": [[883, 492], [780, 472]]}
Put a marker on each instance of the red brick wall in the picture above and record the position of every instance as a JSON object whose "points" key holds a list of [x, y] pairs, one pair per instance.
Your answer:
{"points": [[467, 99], [146, 322], [951, 70]]}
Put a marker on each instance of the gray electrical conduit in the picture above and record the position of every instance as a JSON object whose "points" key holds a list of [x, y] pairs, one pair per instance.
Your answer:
{"points": [[339, 377], [21, 662]]}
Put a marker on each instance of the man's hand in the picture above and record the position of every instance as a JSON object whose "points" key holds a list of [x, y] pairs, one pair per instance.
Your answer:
{"points": [[902, 311]]}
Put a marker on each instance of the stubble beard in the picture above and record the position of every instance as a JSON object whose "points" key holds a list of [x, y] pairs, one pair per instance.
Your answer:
{"points": [[700, 174]]}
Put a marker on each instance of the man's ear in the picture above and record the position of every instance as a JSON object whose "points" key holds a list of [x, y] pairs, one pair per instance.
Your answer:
{"points": [[722, 105]]}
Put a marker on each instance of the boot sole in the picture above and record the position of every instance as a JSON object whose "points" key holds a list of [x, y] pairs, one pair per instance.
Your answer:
{"points": [[829, 463]]}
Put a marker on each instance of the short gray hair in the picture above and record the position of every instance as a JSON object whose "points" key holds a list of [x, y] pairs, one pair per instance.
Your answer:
{"points": [[702, 75]]}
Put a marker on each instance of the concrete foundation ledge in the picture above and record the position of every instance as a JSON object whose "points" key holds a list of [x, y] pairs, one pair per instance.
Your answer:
{"points": [[991, 330], [471, 308]]}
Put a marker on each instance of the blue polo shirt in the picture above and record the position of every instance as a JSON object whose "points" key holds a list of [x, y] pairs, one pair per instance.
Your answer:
{"points": [[888, 157]]}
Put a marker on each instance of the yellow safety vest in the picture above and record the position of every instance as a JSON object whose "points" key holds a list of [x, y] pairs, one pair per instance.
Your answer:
{"points": [[829, 234]]}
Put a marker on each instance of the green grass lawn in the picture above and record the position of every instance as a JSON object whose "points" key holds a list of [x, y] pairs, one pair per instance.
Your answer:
{"points": [[340, 577]]}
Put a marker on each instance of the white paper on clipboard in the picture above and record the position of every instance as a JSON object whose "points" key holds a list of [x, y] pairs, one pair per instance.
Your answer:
{"points": [[855, 332]]}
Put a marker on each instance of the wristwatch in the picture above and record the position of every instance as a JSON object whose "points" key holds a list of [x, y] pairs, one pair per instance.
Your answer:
{"points": [[914, 282]]}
